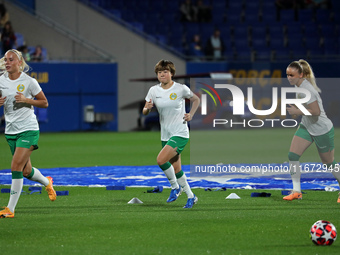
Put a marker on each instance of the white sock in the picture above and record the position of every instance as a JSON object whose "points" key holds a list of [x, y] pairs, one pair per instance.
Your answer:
{"points": [[38, 177], [295, 173], [183, 182], [16, 189], [170, 174]]}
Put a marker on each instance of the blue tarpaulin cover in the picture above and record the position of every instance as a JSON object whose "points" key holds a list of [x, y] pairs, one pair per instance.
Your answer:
{"points": [[149, 176]]}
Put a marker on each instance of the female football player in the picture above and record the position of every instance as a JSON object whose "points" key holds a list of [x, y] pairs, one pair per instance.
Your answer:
{"points": [[313, 128], [169, 98], [20, 93]]}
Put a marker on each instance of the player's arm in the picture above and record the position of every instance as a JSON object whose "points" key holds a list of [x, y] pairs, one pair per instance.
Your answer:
{"points": [[40, 102], [313, 108], [2, 99], [147, 107], [195, 100]]}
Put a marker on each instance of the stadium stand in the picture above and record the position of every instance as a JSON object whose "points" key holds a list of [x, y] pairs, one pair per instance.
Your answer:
{"points": [[256, 27]]}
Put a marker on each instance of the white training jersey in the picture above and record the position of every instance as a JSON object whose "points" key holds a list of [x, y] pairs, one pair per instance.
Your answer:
{"points": [[316, 125], [170, 104], [19, 117]]}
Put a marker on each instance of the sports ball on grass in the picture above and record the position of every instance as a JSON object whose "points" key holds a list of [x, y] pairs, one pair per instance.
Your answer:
{"points": [[323, 232]]}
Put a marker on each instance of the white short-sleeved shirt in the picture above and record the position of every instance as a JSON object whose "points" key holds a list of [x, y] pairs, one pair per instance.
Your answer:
{"points": [[170, 104], [19, 117], [316, 125]]}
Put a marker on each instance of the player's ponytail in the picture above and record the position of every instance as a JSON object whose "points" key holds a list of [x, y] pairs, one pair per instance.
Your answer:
{"points": [[309, 74]]}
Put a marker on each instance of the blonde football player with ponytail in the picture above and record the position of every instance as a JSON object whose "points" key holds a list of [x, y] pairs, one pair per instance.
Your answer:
{"points": [[19, 94]]}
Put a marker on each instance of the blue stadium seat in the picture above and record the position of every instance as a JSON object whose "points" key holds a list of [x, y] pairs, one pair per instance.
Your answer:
{"points": [[235, 6], [229, 54], [258, 32], [251, 18], [218, 16], [331, 46], [117, 4], [207, 27], [115, 12], [315, 53], [243, 54], [305, 14], [268, 6], [336, 5], [312, 42], [282, 54], [128, 15], [259, 44], [20, 39], [233, 18], [226, 31], [328, 30], [311, 29], [322, 16], [295, 44], [161, 38], [252, 6], [287, 16], [150, 27], [143, 5], [277, 43], [141, 17], [299, 53], [138, 25], [293, 31], [240, 44], [275, 30], [269, 18], [263, 54], [228, 42], [241, 31], [218, 5], [336, 17]]}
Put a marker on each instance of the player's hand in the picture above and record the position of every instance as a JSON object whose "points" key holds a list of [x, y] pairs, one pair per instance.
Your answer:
{"points": [[148, 105], [187, 117], [2, 101], [292, 110], [20, 98]]}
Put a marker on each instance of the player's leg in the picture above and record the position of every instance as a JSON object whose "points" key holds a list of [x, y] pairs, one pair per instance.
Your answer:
{"points": [[180, 175], [33, 174], [300, 142], [19, 160], [325, 146], [163, 159], [183, 181], [327, 159]]}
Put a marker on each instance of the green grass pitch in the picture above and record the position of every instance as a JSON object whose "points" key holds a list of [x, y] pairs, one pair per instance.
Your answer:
{"points": [[97, 221]]}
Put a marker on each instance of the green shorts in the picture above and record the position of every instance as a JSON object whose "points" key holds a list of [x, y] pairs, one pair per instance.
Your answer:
{"points": [[24, 140], [176, 142], [324, 143]]}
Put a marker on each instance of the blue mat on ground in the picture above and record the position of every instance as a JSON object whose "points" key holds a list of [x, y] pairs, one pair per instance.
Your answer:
{"points": [[150, 176]]}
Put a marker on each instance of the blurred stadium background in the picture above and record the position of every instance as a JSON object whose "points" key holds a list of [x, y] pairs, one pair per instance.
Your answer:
{"points": [[96, 52]]}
